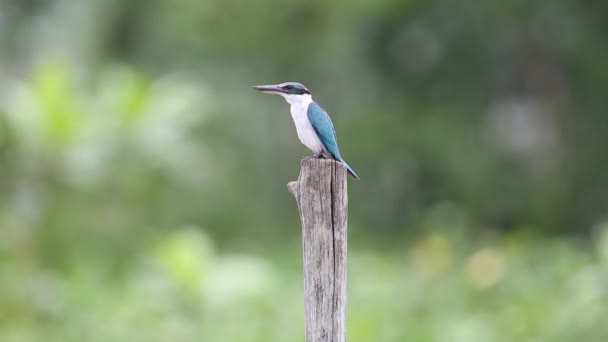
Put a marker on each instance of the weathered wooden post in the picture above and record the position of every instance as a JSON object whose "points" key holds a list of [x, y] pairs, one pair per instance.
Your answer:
{"points": [[321, 194]]}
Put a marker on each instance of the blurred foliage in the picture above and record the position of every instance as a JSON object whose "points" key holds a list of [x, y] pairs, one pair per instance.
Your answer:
{"points": [[142, 181], [499, 288]]}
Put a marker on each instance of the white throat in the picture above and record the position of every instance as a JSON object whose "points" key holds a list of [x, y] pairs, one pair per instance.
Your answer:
{"points": [[297, 100]]}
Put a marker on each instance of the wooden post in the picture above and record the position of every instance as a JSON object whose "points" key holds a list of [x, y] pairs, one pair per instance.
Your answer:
{"points": [[321, 194]]}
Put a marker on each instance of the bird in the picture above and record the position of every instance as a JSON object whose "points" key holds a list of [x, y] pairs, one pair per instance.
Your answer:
{"points": [[313, 125]]}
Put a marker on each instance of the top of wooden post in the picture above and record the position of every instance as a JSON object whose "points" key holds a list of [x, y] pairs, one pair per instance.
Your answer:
{"points": [[314, 169]]}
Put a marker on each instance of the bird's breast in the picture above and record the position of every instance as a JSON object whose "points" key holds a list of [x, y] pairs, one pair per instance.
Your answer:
{"points": [[306, 132]]}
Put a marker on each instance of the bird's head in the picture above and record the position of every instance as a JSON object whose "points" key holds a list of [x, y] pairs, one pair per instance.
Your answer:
{"points": [[291, 91]]}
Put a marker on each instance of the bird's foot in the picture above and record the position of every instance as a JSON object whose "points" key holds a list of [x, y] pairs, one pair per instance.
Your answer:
{"points": [[315, 156]]}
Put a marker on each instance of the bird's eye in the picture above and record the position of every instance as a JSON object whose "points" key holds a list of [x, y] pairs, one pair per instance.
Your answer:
{"points": [[288, 87]]}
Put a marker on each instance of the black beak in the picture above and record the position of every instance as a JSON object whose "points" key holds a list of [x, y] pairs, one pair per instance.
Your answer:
{"points": [[273, 88]]}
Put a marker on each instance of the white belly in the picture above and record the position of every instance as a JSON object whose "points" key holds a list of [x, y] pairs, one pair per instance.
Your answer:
{"points": [[306, 133]]}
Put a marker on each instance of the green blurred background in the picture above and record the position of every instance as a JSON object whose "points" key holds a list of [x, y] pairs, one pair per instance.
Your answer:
{"points": [[143, 182]]}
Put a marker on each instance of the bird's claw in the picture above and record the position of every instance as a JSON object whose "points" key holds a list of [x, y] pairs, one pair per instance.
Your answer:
{"points": [[315, 156]]}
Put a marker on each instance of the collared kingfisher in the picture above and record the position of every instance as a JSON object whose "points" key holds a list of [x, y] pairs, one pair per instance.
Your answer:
{"points": [[313, 124]]}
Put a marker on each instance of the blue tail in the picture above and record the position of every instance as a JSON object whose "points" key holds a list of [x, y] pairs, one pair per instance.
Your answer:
{"points": [[350, 171]]}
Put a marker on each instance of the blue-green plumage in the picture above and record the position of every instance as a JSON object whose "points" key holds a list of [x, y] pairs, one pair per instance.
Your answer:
{"points": [[321, 123]]}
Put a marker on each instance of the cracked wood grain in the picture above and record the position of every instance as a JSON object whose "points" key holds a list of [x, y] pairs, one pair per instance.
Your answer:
{"points": [[321, 195]]}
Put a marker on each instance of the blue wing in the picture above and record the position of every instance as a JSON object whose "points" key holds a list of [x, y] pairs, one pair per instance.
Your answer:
{"points": [[321, 123]]}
